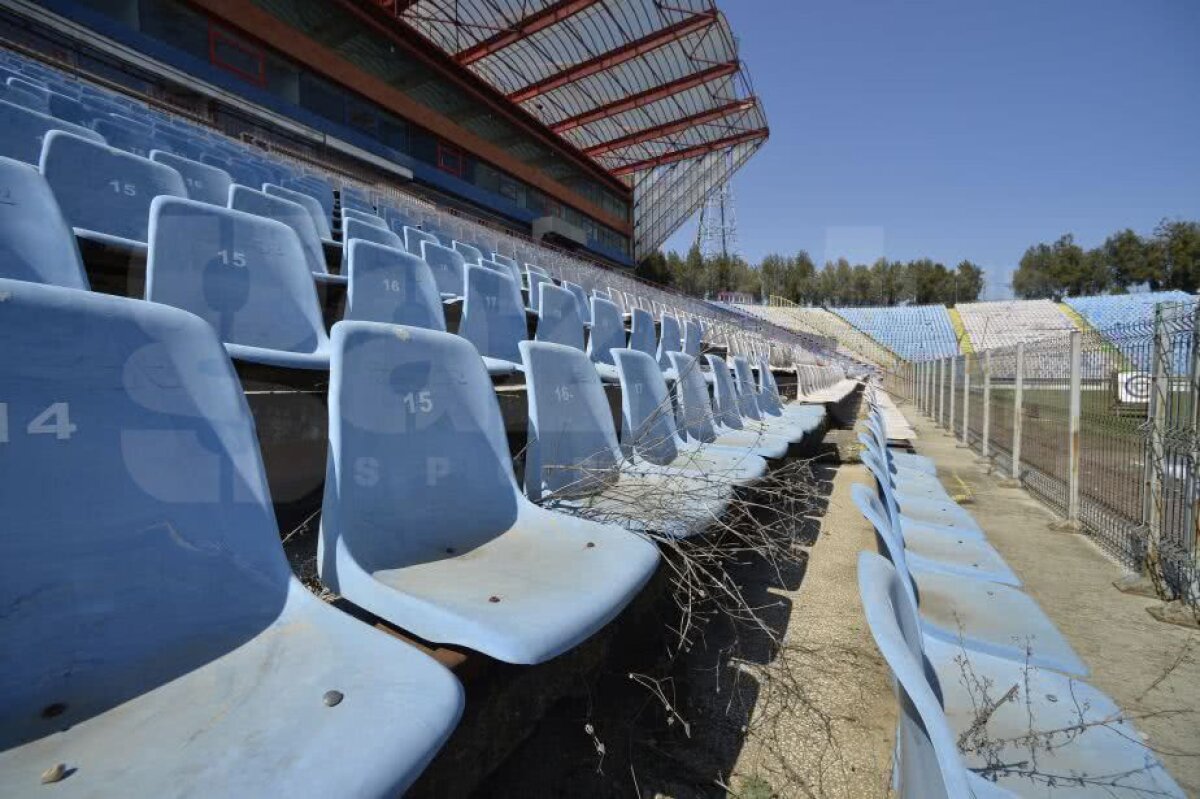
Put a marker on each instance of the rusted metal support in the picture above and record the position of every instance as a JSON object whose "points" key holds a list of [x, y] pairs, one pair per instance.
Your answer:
{"points": [[693, 152], [523, 29], [1018, 411], [674, 126], [1073, 431]]}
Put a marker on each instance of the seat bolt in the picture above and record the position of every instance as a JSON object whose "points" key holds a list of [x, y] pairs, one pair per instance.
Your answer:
{"points": [[56, 773], [591, 544], [51, 711], [449, 550], [493, 599], [332, 698]]}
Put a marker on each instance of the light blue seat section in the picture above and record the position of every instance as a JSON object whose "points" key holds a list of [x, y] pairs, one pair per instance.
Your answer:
{"points": [[292, 214], [914, 332], [581, 299], [492, 320], [105, 193], [423, 523], [470, 253], [1113, 316], [205, 183], [124, 134], [36, 243], [795, 425], [149, 604], [357, 229], [514, 282], [697, 419], [607, 334], [243, 274], [363, 217], [670, 340], [919, 509], [733, 408], [937, 703], [313, 206], [23, 130], [558, 317], [692, 333], [449, 268], [534, 280], [413, 238], [391, 286], [641, 333]]}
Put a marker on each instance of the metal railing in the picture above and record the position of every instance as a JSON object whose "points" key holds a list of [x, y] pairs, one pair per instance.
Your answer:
{"points": [[1101, 425]]}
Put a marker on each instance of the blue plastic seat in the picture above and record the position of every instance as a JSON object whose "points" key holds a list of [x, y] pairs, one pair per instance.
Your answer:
{"points": [[449, 269], [353, 229], [36, 91], [105, 193], [391, 286], [511, 263], [311, 205], [607, 334], [156, 641], [414, 237], [733, 407], [470, 253], [243, 274], [316, 187], [581, 300], [423, 523], [920, 508], [641, 333], [168, 140], [127, 135], [363, 217], [295, 216], [669, 340], [692, 334], [558, 317], [24, 99], [23, 130], [793, 427], [205, 183], [697, 419], [939, 701], [36, 243], [535, 294], [492, 320]]}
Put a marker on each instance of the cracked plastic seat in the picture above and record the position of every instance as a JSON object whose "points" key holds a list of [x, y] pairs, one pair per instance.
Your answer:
{"points": [[939, 687], [156, 642], [573, 461], [36, 244], [312, 206], [648, 426], [105, 193], [492, 320], [23, 131], [607, 334], [423, 523], [696, 418], [983, 616], [203, 182], [296, 217], [243, 274], [558, 317], [448, 266], [391, 286]]}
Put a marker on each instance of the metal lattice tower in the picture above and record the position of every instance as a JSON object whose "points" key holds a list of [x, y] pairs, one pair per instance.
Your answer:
{"points": [[717, 234]]}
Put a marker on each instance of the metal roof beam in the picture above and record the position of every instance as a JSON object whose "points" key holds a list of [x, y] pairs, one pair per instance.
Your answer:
{"points": [[674, 126], [691, 152], [396, 7], [616, 56], [651, 95], [537, 21]]}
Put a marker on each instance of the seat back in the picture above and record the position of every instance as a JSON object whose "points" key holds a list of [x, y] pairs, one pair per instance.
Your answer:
{"points": [[363, 217], [354, 228], [103, 189], [558, 317], [508, 262], [243, 274], [205, 183], [608, 331], [769, 401], [695, 414], [515, 282], [470, 253], [669, 341], [125, 134], [728, 411], [449, 268], [747, 393], [419, 464], [535, 295], [647, 416], [413, 237], [292, 214], [311, 205], [928, 765], [153, 549], [641, 333], [692, 338], [581, 299], [572, 449], [491, 319], [391, 286], [23, 130], [36, 244]]}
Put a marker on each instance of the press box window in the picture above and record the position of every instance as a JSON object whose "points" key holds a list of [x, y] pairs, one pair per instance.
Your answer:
{"points": [[237, 57]]}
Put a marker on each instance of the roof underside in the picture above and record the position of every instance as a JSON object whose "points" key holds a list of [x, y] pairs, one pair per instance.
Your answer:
{"points": [[652, 91]]}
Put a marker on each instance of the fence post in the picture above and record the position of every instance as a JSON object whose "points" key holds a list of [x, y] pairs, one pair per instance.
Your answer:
{"points": [[1018, 412], [1073, 415], [966, 403], [953, 375], [1156, 424], [928, 387], [987, 403], [939, 387]]}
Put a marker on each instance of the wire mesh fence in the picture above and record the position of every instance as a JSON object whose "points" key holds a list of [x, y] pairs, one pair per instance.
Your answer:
{"points": [[1103, 427]]}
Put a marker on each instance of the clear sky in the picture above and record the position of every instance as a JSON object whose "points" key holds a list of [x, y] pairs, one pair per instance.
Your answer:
{"points": [[965, 128]]}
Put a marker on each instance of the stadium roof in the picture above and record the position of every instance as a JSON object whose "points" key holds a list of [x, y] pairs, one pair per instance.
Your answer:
{"points": [[652, 90]]}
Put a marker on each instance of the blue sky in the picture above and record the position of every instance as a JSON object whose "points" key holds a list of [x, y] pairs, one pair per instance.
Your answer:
{"points": [[965, 128]]}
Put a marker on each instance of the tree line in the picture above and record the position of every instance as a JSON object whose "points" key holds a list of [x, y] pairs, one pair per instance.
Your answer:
{"points": [[1169, 258], [797, 278]]}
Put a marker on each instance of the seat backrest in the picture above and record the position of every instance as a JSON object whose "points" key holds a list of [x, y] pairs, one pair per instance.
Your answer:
{"points": [[319, 189], [581, 299], [132, 137], [363, 217], [927, 762], [413, 237], [768, 392], [103, 189], [491, 319], [509, 262], [669, 341], [641, 334], [243, 274], [728, 410], [558, 317], [311, 205], [747, 392], [647, 416], [36, 243], [608, 331], [449, 269], [294, 215], [22, 131], [391, 286], [470, 253], [153, 548], [535, 295], [418, 460], [572, 450], [204, 182], [691, 338], [695, 414], [354, 228]]}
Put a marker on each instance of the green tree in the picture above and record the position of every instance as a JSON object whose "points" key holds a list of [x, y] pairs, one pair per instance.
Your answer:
{"points": [[1131, 260], [968, 282], [1179, 245], [654, 268]]}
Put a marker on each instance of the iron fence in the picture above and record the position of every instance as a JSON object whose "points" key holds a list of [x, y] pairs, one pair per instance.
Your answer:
{"points": [[1101, 425]]}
